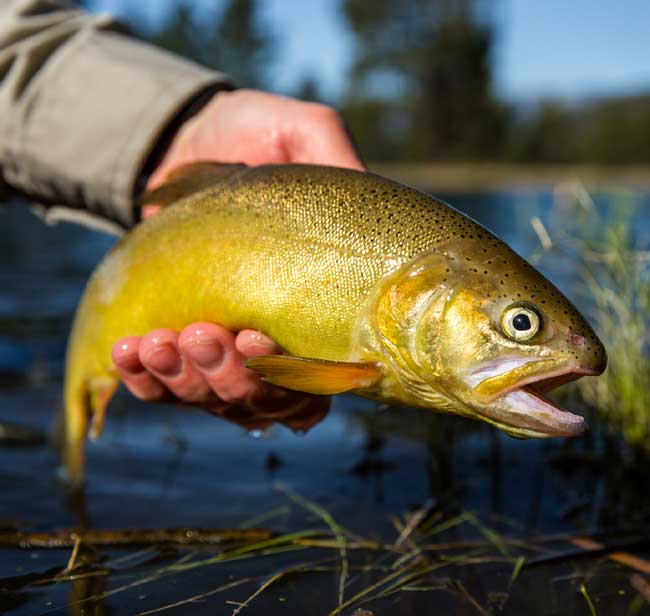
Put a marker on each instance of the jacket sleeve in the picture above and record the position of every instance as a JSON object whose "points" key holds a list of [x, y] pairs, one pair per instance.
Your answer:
{"points": [[82, 106]]}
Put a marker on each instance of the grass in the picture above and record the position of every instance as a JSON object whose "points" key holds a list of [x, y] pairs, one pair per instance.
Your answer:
{"points": [[611, 254], [367, 571], [590, 604]]}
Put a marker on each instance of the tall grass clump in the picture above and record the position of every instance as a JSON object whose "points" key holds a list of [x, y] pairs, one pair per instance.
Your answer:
{"points": [[605, 246]]}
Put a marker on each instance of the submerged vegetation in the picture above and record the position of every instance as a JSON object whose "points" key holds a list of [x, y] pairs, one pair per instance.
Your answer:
{"points": [[431, 552], [608, 246]]}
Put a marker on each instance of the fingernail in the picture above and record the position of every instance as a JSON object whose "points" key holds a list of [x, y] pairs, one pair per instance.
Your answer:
{"points": [[206, 353], [164, 359], [258, 342]]}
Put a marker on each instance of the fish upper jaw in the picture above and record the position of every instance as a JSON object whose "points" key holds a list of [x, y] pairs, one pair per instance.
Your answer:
{"points": [[495, 379], [510, 394]]}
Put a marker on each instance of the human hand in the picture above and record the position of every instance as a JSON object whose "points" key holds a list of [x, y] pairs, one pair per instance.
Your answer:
{"points": [[254, 128], [203, 366]]}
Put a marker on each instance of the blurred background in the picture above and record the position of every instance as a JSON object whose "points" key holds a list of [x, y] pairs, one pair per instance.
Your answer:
{"points": [[445, 80], [531, 117]]}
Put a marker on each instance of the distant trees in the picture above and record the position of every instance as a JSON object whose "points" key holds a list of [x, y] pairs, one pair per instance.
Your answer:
{"points": [[544, 133], [605, 131], [424, 68], [421, 84], [308, 89], [421, 87], [616, 130], [178, 33], [234, 40]]}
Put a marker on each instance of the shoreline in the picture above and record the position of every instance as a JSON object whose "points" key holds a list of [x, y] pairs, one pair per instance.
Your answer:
{"points": [[482, 177]]}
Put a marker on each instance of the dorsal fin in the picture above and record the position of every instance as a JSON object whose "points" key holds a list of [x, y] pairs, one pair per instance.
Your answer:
{"points": [[188, 179]]}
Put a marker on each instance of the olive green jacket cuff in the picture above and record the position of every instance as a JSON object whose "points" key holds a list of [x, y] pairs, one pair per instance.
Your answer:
{"points": [[82, 106]]}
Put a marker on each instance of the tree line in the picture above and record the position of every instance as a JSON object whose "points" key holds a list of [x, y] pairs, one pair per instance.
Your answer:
{"points": [[421, 85]]}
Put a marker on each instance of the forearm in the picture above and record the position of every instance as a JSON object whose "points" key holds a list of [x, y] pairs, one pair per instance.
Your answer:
{"points": [[82, 106]]}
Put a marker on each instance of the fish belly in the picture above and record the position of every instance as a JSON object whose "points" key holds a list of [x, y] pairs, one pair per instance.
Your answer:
{"points": [[304, 295]]}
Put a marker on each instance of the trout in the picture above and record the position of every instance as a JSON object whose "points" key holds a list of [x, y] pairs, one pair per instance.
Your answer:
{"points": [[369, 286]]}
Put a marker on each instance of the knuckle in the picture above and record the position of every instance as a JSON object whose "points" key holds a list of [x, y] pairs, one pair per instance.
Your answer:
{"points": [[158, 336], [326, 115], [230, 397], [148, 394], [191, 391], [145, 387], [140, 395], [234, 391], [201, 332]]}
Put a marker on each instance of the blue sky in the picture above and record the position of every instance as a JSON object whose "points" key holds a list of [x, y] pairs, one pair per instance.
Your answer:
{"points": [[573, 49]]}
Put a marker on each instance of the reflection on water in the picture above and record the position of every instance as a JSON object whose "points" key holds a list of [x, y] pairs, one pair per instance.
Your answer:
{"points": [[159, 466]]}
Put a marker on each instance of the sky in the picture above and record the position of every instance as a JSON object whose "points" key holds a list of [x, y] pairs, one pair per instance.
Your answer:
{"points": [[553, 48]]}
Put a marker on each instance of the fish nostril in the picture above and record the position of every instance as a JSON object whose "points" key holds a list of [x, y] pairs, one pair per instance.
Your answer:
{"points": [[576, 339]]}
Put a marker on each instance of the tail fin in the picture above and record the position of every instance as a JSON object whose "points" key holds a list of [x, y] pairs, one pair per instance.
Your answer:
{"points": [[83, 399], [75, 428]]}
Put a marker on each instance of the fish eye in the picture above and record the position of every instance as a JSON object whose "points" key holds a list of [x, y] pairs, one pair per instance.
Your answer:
{"points": [[520, 322]]}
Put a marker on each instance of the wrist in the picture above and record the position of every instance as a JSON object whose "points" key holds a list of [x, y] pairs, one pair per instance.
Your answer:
{"points": [[171, 148]]}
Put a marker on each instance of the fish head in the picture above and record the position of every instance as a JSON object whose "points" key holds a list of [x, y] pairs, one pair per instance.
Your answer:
{"points": [[493, 337]]}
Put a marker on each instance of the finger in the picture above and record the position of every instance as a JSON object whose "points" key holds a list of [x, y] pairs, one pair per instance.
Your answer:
{"points": [[251, 343], [134, 375], [266, 400], [160, 355], [295, 409], [323, 138], [212, 350]]}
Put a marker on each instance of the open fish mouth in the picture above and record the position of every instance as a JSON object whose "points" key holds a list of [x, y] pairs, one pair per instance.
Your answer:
{"points": [[515, 400]]}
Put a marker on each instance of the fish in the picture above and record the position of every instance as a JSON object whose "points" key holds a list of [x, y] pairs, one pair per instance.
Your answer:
{"points": [[369, 286]]}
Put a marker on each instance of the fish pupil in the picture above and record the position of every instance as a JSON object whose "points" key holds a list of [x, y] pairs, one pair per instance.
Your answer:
{"points": [[521, 322]]}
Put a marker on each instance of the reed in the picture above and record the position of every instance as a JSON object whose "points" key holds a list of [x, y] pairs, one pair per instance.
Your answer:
{"points": [[367, 571], [605, 245]]}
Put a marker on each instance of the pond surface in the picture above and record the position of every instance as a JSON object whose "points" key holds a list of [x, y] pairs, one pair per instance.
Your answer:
{"points": [[158, 466]]}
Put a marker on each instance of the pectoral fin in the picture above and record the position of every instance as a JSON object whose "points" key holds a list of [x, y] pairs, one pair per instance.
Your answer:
{"points": [[315, 376], [188, 179]]}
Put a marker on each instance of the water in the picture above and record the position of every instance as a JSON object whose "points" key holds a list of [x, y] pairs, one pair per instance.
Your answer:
{"points": [[159, 466]]}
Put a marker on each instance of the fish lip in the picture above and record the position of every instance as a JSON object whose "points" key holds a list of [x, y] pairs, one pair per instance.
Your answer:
{"points": [[552, 378], [523, 410]]}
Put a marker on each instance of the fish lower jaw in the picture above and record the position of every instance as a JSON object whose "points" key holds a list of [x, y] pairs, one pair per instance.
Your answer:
{"points": [[522, 410], [525, 413]]}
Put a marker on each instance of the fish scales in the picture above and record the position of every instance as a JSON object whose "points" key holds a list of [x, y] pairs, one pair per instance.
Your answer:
{"points": [[308, 255], [273, 241]]}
